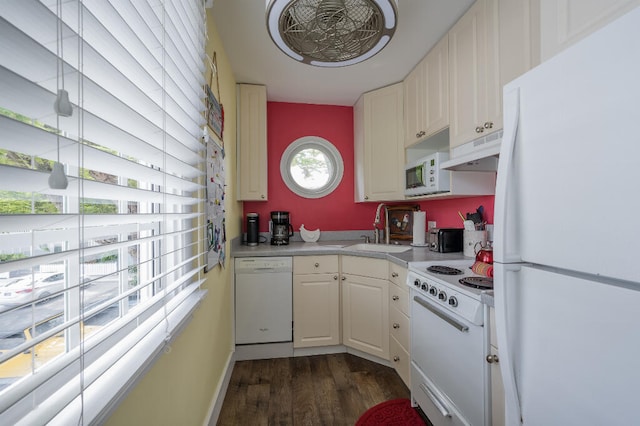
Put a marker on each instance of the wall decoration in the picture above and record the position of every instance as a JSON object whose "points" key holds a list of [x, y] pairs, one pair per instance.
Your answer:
{"points": [[401, 221], [216, 235], [215, 110], [215, 207]]}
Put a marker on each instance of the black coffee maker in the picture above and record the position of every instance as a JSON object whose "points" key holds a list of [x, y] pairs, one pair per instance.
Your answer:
{"points": [[280, 228]]}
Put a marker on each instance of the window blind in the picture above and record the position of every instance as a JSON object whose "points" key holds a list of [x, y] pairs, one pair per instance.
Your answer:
{"points": [[98, 276]]}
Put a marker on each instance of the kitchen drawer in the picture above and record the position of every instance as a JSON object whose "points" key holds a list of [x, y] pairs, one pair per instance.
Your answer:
{"points": [[399, 298], [366, 267], [315, 264], [401, 361], [397, 274], [399, 327]]}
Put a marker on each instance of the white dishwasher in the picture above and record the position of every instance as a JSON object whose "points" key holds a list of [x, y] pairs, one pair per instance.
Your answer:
{"points": [[264, 299]]}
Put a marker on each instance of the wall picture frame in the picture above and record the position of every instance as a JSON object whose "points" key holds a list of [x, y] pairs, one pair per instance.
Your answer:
{"points": [[401, 221]]}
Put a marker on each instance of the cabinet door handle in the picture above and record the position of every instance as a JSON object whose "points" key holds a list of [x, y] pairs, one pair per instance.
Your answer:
{"points": [[316, 264], [396, 358], [335, 277], [395, 297], [344, 278], [396, 325], [262, 196], [479, 129], [488, 125], [394, 274], [492, 359]]}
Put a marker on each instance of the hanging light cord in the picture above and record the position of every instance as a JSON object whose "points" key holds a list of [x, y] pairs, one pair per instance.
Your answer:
{"points": [[59, 69]]}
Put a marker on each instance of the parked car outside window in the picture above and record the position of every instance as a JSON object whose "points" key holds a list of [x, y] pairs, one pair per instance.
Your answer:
{"points": [[31, 288]]}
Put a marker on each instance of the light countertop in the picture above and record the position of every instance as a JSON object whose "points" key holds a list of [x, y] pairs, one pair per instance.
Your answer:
{"points": [[300, 248]]}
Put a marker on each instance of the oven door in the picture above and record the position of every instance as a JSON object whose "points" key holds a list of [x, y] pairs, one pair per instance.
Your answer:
{"points": [[449, 372]]}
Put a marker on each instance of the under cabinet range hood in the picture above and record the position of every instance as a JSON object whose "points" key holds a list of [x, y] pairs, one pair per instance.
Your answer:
{"points": [[480, 155]]}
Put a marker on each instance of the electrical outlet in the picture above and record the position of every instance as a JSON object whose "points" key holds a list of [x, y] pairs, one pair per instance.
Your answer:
{"points": [[431, 224]]}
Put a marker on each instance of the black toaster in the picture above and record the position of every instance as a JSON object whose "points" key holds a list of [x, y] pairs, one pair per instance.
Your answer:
{"points": [[445, 240]]}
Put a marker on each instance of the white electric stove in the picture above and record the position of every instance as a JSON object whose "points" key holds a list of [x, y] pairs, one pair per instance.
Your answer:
{"points": [[449, 343]]}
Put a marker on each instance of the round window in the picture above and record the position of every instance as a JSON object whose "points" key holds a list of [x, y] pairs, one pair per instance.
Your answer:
{"points": [[311, 167]]}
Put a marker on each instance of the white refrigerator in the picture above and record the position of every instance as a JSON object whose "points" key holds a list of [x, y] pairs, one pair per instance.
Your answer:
{"points": [[567, 235]]}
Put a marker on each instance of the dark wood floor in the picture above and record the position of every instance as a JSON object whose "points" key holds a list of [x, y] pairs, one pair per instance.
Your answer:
{"points": [[313, 390]]}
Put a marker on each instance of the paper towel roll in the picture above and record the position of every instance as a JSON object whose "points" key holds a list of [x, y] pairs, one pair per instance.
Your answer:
{"points": [[419, 226]]}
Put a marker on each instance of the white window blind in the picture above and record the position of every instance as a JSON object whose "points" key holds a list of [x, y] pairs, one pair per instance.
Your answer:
{"points": [[96, 278]]}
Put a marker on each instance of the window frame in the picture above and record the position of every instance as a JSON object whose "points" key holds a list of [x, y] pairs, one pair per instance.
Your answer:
{"points": [[330, 152], [136, 112]]}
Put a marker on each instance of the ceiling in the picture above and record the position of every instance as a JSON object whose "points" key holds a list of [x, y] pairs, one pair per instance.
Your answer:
{"points": [[254, 58]]}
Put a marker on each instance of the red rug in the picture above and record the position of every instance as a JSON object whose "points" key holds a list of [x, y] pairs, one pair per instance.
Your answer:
{"points": [[394, 412]]}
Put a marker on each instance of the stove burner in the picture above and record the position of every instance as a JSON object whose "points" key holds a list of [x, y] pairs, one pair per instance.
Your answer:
{"points": [[482, 283], [444, 270]]}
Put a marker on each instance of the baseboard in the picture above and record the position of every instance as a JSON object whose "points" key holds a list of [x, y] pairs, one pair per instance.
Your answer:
{"points": [[320, 350], [218, 397], [264, 351]]}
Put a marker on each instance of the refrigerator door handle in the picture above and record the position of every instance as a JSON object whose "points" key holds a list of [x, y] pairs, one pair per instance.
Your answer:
{"points": [[504, 277], [505, 236]]}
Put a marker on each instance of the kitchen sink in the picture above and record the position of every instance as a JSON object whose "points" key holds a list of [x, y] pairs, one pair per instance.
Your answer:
{"points": [[380, 248]]}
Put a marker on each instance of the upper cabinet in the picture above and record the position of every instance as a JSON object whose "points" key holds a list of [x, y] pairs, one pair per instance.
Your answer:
{"points": [[563, 22], [426, 95], [519, 23], [252, 142], [474, 94], [378, 145]]}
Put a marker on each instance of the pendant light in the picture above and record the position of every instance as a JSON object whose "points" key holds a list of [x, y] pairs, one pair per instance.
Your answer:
{"points": [[62, 107]]}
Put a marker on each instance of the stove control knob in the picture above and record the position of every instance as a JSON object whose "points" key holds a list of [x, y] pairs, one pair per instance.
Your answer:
{"points": [[433, 291], [442, 296], [424, 287], [453, 301], [416, 283]]}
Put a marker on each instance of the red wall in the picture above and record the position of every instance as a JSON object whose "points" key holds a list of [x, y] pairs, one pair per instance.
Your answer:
{"points": [[287, 122]]}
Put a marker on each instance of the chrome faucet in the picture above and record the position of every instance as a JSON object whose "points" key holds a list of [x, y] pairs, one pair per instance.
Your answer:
{"points": [[376, 223]]}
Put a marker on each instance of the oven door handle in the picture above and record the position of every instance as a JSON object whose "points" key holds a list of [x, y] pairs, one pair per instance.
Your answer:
{"points": [[436, 401], [454, 322]]}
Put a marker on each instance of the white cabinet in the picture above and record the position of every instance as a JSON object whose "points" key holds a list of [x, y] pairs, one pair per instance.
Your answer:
{"points": [[519, 23], [316, 301], [365, 305], [564, 22], [378, 145], [497, 387], [252, 142], [426, 95], [475, 104], [399, 325]]}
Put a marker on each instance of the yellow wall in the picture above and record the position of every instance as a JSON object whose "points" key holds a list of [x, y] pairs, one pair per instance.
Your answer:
{"points": [[179, 388]]}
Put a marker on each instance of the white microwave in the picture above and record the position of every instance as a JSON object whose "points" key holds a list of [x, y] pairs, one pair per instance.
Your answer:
{"points": [[424, 176]]}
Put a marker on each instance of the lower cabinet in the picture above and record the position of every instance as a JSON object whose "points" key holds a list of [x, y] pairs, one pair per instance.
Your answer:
{"points": [[365, 305], [360, 302], [316, 301], [399, 326]]}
